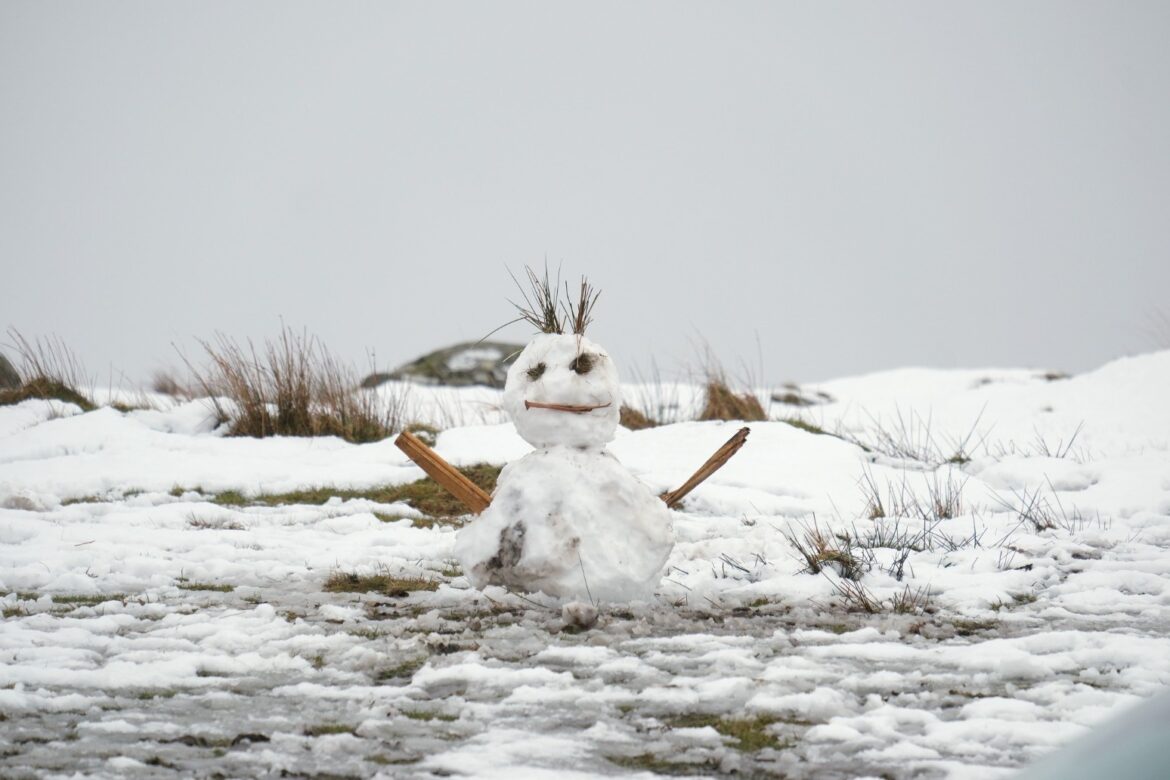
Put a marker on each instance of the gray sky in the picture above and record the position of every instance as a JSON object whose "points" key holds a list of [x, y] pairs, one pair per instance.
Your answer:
{"points": [[860, 186]]}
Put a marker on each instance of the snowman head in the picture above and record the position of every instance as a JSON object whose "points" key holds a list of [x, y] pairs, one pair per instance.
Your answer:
{"points": [[563, 390]]}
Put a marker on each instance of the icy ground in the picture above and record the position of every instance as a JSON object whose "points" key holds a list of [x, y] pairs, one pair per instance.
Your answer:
{"points": [[150, 631]]}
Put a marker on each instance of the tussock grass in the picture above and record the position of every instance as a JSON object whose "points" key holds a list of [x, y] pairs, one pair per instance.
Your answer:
{"points": [[165, 382], [292, 386], [820, 551], [47, 369], [723, 403]]}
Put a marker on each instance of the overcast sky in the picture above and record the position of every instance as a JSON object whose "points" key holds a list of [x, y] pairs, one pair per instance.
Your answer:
{"points": [[852, 186]]}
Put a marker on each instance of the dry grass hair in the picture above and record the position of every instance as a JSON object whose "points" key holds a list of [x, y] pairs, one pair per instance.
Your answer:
{"points": [[545, 312], [540, 308], [580, 313]]}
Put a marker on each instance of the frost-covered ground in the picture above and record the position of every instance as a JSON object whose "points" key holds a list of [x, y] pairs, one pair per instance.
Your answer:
{"points": [[1014, 590]]}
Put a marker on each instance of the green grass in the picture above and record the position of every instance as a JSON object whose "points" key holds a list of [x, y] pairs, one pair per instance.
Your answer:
{"points": [[750, 734], [87, 599], [427, 716], [324, 729], [425, 495], [970, 627], [405, 669], [152, 694], [648, 762], [206, 586], [805, 426]]}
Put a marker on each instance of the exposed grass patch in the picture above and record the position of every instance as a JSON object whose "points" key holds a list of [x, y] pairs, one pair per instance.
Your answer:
{"points": [[819, 551], [972, 627], [406, 669], [384, 584], [750, 734], [155, 694], [213, 523], [384, 760], [87, 599], [103, 499], [425, 495], [324, 729], [292, 386], [648, 762], [206, 586], [428, 716], [805, 425], [47, 389]]}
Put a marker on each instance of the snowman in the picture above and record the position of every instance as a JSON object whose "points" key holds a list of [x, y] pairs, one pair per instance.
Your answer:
{"points": [[567, 519]]}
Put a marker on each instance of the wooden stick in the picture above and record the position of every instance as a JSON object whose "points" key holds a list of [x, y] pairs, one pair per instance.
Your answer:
{"points": [[475, 499], [471, 494], [713, 464]]}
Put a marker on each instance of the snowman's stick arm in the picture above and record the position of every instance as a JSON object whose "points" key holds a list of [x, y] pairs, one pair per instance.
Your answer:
{"points": [[713, 464], [472, 496]]}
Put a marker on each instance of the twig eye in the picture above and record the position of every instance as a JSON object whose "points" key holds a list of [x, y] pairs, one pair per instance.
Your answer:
{"points": [[536, 371], [583, 363]]}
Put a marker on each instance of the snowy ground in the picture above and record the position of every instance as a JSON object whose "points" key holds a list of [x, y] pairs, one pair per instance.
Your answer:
{"points": [[150, 631]]}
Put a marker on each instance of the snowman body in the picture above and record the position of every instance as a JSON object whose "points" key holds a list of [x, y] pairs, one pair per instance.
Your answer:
{"points": [[567, 519]]}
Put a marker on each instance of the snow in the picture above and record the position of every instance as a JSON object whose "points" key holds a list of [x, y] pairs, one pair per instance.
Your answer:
{"points": [[569, 370], [1048, 613], [557, 513]]}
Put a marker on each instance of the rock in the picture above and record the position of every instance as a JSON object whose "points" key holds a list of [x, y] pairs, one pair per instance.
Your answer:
{"points": [[469, 363], [794, 395], [9, 379]]}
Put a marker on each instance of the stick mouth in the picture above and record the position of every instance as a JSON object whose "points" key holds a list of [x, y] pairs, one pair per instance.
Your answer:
{"points": [[574, 408]]}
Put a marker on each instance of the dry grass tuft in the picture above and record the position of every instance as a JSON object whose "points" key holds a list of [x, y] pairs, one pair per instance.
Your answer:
{"points": [[48, 369], [634, 420], [383, 583], [820, 552], [165, 382], [723, 403], [292, 387], [540, 308]]}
